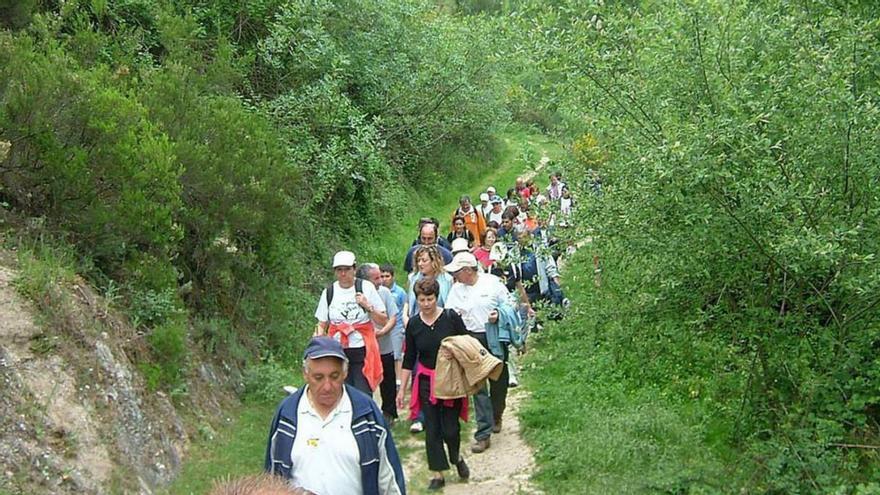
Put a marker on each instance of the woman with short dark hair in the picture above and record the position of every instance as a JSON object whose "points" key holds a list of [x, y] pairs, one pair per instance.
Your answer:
{"points": [[424, 332], [460, 231]]}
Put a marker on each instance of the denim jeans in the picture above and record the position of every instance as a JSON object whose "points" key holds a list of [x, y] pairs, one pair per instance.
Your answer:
{"points": [[491, 400]]}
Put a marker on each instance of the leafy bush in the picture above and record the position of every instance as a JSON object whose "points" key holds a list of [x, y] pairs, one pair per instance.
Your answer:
{"points": [[168, 344], [736, 230], [265, 381]]}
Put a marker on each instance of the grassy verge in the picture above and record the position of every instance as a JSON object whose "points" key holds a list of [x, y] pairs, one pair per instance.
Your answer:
{"points": [[235, 450], [597, 431]]}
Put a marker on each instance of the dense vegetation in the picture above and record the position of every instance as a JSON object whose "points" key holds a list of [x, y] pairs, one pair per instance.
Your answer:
{"points": [[201, 156], [738, 236]]}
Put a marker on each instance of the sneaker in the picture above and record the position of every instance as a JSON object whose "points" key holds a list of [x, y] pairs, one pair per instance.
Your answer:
{"points": [[416, 427], [464, 472], [436, 484], [481, 446], [513, 383]]}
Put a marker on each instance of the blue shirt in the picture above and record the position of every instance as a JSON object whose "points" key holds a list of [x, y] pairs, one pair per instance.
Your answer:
{"points": [[400, 298]]}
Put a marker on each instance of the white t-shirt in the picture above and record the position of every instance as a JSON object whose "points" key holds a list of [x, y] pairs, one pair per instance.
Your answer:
{"points": [[345, 309], [475, 302], [325, 453], [494, 216]]}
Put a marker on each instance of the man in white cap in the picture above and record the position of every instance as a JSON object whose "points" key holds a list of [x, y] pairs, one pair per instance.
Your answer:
{"points": [[496, 211], [477, 297], [484, 203], [336, 440], [346, 311]]}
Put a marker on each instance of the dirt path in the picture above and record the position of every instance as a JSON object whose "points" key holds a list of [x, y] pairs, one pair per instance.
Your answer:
{"points": [[504, 469]]}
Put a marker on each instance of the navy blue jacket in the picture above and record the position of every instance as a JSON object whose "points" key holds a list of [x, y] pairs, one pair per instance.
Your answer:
{"points": [[367, 425]]}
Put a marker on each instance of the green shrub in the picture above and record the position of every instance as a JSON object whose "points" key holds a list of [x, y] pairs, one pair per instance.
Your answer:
{"points": [[168, 346], [42, 268], [265, 381], [736, 231]]}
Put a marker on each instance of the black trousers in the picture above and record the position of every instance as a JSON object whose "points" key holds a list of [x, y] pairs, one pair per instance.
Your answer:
{"points": [[356, 378], [441, 427], [388, 386]]}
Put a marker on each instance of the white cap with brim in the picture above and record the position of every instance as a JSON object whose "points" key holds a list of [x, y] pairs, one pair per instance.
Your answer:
{"points": [[490, 190], [461, 260], [484, 197], [343, 258]]}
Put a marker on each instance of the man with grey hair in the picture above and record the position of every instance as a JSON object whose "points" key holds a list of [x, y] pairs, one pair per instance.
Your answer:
{"points": [[336, 441], [388, 385], [473, 218]]}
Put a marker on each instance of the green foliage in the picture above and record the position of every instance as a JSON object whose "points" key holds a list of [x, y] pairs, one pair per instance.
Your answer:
{"points": [[737, 229], [42, 267], [85, 156], [264, 382], [168, 345]]}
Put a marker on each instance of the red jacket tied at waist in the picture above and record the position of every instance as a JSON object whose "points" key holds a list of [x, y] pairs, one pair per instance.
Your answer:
{"points": [[373, 361]]}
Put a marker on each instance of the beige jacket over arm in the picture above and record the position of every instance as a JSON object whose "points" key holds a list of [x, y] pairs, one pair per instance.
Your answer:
{"points": [[463, 374]]}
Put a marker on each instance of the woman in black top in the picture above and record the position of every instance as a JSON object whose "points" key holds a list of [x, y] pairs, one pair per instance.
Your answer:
{"points": [[423, 335], [459, 230]]}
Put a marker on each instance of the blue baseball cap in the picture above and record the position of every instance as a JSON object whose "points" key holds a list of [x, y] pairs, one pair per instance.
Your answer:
{"points": [[324, 346]]}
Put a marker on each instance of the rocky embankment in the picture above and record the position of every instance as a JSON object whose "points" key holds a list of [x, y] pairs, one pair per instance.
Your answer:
{"points": [[76, 414]]}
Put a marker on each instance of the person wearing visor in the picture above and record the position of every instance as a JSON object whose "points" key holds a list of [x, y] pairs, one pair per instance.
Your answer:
{"points": [[335, 442]]}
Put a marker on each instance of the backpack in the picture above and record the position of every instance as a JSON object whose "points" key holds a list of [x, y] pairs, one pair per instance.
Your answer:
{"points": [[358, 287]]}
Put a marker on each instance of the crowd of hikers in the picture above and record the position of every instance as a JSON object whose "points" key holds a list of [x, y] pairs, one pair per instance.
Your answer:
{"points": [[429, 341]]}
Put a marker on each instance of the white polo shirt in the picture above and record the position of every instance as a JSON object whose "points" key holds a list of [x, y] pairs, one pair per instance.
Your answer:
{"points": [[325, 455], [475, 302]]}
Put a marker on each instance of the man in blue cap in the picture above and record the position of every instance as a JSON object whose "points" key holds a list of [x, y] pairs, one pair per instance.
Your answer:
{"points": [[336, 441]]}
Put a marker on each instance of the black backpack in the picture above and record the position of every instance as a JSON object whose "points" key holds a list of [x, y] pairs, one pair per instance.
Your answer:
{"points": [[358, 287]]}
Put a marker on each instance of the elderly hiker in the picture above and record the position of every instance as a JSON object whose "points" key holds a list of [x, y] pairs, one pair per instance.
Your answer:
{"points": [[484, 204], [430, 325], [480, 299], [496, 210], [336, 440], [388, 385], [473, 219], [428, 236], [347, 310]]}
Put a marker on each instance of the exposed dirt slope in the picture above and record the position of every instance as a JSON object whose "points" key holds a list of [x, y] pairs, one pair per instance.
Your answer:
{"points": [[76, 417]]}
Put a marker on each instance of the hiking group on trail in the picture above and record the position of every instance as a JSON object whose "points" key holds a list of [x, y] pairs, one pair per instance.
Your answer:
{"points": [[438, 345]]}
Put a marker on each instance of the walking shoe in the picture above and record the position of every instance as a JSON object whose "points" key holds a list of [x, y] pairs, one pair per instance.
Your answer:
{"points": [[436, 484], [481, 446], [464, 472], [416, 427], [496, 428]]}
